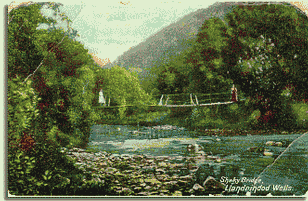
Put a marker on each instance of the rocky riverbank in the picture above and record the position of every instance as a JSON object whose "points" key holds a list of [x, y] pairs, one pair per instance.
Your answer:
{"points": [[141, 175]]}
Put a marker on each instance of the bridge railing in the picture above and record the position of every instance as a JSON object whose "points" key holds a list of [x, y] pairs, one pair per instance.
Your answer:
{"points": [[192, 98], [182, 99]]}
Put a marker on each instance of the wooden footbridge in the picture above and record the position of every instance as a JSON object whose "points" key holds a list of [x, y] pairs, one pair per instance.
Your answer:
{"points": [[171, 102]]}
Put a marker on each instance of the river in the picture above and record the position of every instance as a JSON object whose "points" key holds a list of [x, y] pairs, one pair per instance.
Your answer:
{"points": [[229, 156]]}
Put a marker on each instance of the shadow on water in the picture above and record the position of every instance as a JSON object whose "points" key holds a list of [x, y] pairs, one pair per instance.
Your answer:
{"points": [[227, 157]]}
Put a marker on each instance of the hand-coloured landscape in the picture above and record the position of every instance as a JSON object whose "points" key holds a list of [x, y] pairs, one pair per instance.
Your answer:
{"points": [[160, 100]]}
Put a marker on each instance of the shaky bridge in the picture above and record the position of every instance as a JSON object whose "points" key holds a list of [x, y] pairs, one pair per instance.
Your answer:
{"points": [[184, 100]]}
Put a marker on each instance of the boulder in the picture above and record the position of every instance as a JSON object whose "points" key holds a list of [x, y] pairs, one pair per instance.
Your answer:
{"points": [[267, 153], [212, 186], [197, 189], [278, 144], [194, 148], [255, 149], [269, 143], [203, 172]]}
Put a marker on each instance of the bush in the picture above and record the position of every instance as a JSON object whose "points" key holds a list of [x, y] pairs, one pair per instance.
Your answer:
{"points": [[44, 170], [253, 118], [35, 164], [21, 110], [301, 113]]}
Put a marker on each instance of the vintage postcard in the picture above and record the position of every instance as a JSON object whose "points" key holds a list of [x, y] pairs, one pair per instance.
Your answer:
{"points": [[157, 99]]}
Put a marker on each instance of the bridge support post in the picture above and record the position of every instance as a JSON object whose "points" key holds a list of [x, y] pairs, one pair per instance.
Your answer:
{"points": [[167, 100], [161, 100], [197, 100], [191, 100]]}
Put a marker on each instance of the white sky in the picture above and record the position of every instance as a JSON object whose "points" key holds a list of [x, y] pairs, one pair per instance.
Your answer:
{"points": [[110, 28]]}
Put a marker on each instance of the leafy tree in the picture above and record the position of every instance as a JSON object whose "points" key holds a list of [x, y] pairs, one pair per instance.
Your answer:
{"points": [[22, 111], [23, 57], [65, 83], [263, 50], [63, 70], [173, 74], [119, 84], [269, 44], [49, 102], [207, 58], [171, 80]]}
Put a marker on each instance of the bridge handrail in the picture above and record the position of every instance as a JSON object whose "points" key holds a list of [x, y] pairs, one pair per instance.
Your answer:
{"points": [[227, 93]]}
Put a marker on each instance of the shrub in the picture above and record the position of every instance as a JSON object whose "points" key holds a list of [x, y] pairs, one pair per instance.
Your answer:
{"points": [[35, 164], [21, 110], [301, 113]]}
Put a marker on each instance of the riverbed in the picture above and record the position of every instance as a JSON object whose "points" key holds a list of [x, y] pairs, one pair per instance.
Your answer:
{"points": [[229, 157]]}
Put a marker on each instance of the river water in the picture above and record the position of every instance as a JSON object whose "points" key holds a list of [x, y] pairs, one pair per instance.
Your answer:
{"points": [[229, 156]]}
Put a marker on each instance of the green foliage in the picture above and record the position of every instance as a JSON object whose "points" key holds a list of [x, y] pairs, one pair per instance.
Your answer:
{"points": [[204, 117], [256, 57], [49, 110], [61, 70], [253, 118], [301, 111], [22, 103], [23, 57], [263, 61], [207, 58], [171, 73], [19, 169], [123, 89], [120, 84]]}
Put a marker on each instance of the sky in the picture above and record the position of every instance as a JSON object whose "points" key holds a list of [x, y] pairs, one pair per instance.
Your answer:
{"points": [[108, 28]]}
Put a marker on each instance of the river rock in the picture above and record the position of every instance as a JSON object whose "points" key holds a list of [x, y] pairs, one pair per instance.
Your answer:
{"points": [[212, 157], [160, 171], [269, 143], [203, 172], [255, 149], [187, 178], [212, 186], [171, 185], [138, 157], [197, 189], [267, 153]]}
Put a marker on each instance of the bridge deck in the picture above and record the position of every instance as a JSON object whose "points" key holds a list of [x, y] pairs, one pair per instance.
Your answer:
{"points": [[192, 105]]}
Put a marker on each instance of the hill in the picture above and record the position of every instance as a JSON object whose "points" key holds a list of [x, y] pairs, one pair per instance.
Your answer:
{"points": [[168, 41]]}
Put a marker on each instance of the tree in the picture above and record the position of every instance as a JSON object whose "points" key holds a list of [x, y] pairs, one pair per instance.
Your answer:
{"points": [[207, 58], [173, 74], [267, 53], [119, 84], [63, 70], [262, 49], [23, 57]]}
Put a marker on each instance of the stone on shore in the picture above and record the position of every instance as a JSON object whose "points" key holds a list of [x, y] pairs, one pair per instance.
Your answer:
{"points": [[197, 189], [212, 186], [269, 143]]}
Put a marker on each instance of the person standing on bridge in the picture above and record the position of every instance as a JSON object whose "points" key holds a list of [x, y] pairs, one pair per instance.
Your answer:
{"points": [[234, 94]]}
